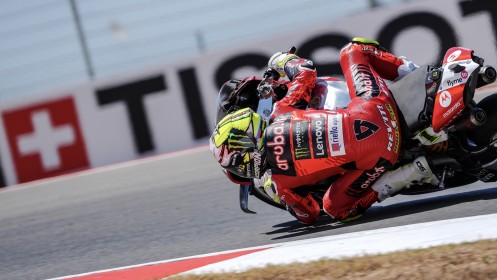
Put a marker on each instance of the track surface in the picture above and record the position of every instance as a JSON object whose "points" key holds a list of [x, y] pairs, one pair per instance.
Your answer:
{"points": [[170, 207]]}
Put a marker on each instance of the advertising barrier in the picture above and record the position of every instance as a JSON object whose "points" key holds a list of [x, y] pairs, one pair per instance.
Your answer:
{"points": [[172, 106]]}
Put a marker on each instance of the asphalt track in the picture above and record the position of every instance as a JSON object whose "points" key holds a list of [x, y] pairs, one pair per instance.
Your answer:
{"points": [[169, 207]]}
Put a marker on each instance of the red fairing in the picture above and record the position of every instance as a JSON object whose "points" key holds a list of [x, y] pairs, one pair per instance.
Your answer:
{"points": [[449, 102], [457, 54], [448, 105]]}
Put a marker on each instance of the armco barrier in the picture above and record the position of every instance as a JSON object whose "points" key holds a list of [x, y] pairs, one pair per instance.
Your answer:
{"points": [[171, 107]]}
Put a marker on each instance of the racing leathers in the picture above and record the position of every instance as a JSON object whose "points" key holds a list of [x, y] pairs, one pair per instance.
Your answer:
{"points": [[359, 143]]}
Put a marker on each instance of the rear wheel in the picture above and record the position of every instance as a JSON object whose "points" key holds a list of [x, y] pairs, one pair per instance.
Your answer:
{"points": [[486, 134]]}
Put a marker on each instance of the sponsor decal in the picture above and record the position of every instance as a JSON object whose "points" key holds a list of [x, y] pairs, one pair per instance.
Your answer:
{"points": [[425, 134], [445, 99], [239, 140], [449, 112], [455, 82], [364, 82], [432, 88], [468, 61], [257, 164], [395, 125], [420, 166], [453, 56], [319, 148], [485, 175], [464, 74], [364, 129], [372, 176], [278, 145], [392, 127], [335, 135], [300, 135], [371, 49], [383, 86], [45, 139]]}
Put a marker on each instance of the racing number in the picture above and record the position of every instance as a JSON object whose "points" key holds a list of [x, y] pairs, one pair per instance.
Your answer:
{"points": [[364, 129]]}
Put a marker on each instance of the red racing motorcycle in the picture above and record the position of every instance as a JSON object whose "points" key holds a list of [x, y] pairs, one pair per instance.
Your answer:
{"points": [[438, 115]]}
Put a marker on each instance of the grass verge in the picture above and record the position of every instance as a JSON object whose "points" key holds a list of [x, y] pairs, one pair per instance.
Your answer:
{"points": [[476, 260]]}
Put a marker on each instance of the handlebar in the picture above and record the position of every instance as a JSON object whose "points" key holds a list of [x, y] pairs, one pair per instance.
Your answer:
{"points": [[265, 87]]}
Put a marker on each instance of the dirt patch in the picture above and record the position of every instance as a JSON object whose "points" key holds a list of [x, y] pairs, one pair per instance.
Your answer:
{"points": [[476, 260]]}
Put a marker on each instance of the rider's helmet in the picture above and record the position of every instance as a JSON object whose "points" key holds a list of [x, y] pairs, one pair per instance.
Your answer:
{"points": [[237, 94], [237, 144]]}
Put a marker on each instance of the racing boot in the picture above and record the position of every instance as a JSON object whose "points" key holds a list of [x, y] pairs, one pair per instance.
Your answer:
{"points": [[393, 181], [404, 66]]}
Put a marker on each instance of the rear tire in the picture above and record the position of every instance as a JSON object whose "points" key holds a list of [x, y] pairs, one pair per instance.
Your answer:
{"points": [[484, 135]]}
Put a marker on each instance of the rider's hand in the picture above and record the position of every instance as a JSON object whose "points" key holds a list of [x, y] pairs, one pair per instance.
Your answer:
{"points": [[265, 87], [278, 60], [272, 74]]}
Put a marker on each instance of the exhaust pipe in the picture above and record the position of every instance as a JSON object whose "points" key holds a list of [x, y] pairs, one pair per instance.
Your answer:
{"points": [[486, 75], [475, 118]]}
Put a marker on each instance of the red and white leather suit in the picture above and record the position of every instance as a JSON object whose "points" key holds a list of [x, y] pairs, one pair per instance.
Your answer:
{"points": [[359, 142]]}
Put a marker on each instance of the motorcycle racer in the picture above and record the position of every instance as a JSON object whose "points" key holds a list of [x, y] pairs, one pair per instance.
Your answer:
{"points": [[302, 147]]}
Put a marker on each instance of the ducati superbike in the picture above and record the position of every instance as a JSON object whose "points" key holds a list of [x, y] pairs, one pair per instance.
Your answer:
{"points": [[438, 116]]}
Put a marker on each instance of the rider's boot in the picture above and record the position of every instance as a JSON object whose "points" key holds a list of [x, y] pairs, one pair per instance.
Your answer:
{"points": [[404, 66], [393, 181]]}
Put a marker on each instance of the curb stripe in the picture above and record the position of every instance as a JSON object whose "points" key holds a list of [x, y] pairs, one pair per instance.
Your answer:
{"points": [[159, 270]]}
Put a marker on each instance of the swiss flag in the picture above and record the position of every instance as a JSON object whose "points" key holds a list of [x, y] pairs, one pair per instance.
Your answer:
{"points": [[45, 139]]}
